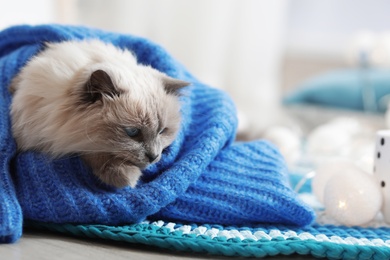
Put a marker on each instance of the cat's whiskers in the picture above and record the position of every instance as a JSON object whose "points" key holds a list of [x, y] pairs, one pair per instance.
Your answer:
{"points": [[89, 137], [123, 162], [107, 162]]}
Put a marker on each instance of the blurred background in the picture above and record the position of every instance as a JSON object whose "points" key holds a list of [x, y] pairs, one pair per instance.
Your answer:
{"points": [[258, 51]]}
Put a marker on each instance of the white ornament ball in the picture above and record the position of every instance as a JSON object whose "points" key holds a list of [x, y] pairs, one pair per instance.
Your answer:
{"points": [[352, 198], [288, 141], [349, 125], [326, 171], [328, 140]]}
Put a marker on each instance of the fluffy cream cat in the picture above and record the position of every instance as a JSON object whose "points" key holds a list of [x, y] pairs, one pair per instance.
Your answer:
{"points": [[93, 99]]}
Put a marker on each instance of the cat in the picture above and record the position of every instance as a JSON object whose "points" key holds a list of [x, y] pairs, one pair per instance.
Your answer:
{"points": [[93, 99]]}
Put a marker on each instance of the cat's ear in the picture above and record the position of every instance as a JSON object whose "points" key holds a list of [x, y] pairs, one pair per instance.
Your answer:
{"points": [[99, 85], [172, 86]]}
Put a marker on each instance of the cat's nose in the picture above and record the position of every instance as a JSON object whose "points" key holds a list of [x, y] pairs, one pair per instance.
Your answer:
{"points": [[152, 157]]}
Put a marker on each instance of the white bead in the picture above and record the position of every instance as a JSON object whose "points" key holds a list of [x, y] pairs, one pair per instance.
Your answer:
{"points": [[352, 198]]}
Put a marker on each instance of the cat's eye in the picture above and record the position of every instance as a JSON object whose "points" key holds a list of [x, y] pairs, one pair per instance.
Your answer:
{"points": [[132, 131], [162, 131]]}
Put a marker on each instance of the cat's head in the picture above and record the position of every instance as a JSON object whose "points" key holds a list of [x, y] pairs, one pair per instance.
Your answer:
{"points": [[132, 117]]}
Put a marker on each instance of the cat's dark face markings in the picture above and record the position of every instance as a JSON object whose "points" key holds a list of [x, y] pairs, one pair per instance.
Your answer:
{"points": [[133, 130]]}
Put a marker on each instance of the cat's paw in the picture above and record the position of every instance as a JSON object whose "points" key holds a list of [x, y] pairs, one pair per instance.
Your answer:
{"points": [[113, 172], [121, 176]]}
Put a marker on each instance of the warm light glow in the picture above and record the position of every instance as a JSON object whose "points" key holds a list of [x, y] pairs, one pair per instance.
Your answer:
{"points": [[342, 204]]}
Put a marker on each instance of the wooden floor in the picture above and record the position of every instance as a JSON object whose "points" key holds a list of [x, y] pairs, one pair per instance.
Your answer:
{"points": [[50, 246]]}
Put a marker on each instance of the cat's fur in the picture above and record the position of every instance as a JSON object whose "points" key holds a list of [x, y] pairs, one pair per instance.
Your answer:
{"points": [[85, 97]]}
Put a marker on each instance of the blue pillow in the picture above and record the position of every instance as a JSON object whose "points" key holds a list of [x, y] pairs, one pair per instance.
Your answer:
{"points": [[357, 89]]}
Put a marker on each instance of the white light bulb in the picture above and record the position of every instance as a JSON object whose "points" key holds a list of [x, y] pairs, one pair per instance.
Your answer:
{"points": [[352, 198], [326, 171]]}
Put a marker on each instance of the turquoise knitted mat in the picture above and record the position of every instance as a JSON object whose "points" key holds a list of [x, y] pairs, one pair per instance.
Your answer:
{"points": [[328, 241]]}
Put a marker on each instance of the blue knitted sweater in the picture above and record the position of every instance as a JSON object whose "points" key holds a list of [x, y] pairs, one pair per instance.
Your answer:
{"points": [[203, 177]]}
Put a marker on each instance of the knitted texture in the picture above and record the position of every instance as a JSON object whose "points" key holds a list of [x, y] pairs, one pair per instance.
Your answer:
{"points": [[333, 242], [202, 177]]}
